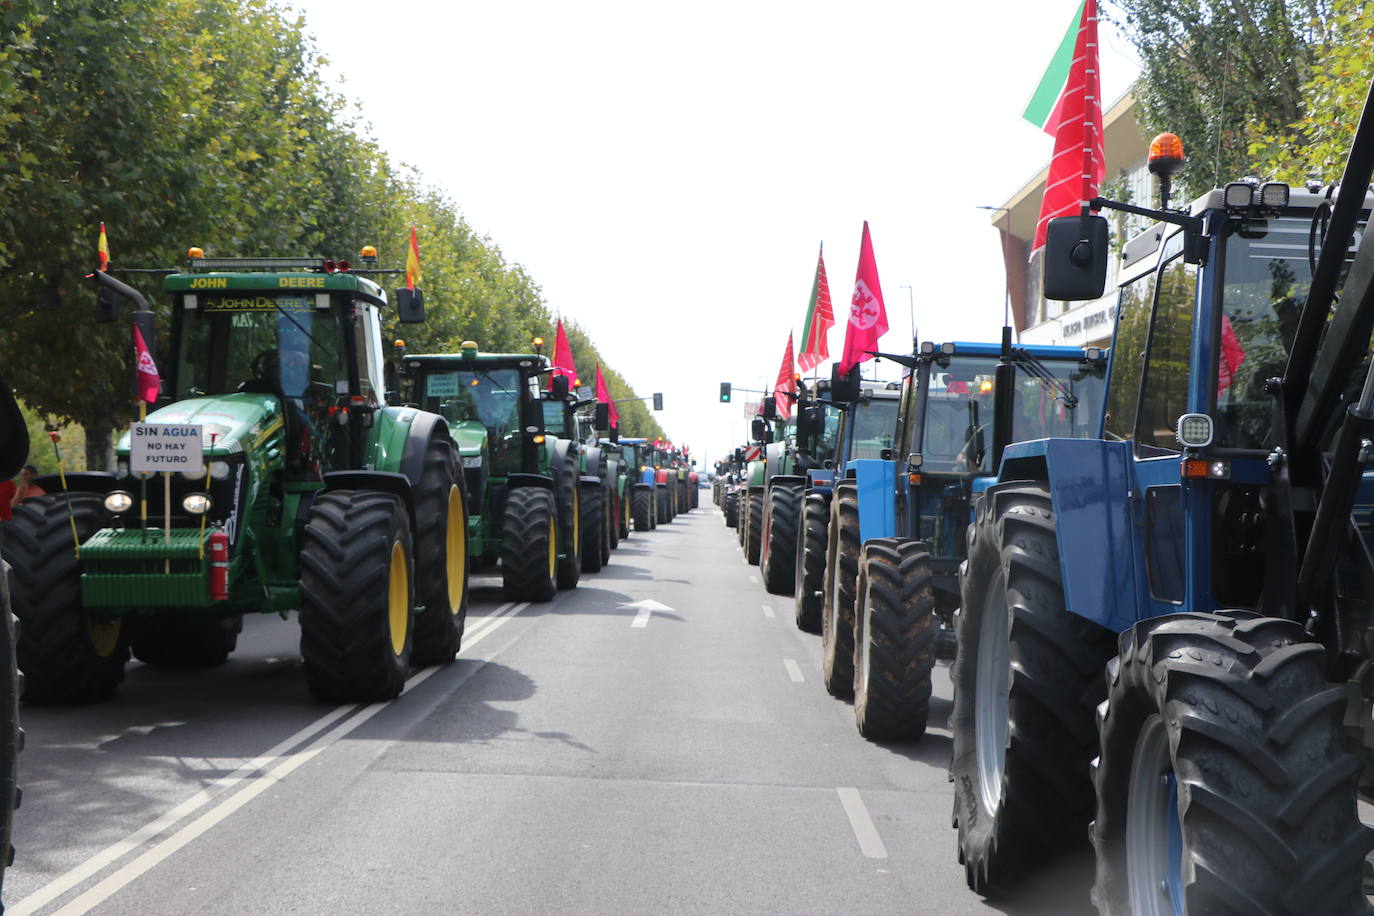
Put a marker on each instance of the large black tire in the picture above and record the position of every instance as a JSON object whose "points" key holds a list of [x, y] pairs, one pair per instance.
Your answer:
{"points": [[753, 531], [729, 504], [357, 596], [11, 735], [183, 639], [665, 504], [841, 575], [570, 530], [780, 539], [529, 545], [895, 631], [642, 506], [592, 528], [1226, 723], [67, 654], [609, 534], [624, 509], [1027, 679], [809, 571], [742, 513], [441, 555], [615, 517]]}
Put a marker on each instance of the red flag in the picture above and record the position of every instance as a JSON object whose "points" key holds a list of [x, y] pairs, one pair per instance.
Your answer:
{"points": [[603, 394], [785, 389], [146, 379], [867, 315], [102, 249], [1232, 355], [562, 357], [820, 318], [1079, 165], [413, 261]]}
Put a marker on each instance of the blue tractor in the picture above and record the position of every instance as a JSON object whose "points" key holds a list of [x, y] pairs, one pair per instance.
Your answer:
{"points": [[1166, 632], [898, 526]]}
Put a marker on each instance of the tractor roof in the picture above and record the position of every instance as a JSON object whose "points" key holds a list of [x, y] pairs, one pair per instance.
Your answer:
{"points": [[455, 359], [260, 281]]}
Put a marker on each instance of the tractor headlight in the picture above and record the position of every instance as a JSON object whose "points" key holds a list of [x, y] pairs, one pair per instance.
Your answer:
{"points": [[196, 503], [1238, 195], [1194, 430], [195, 475], [118, 502], [219, 469], [1273, 195]]}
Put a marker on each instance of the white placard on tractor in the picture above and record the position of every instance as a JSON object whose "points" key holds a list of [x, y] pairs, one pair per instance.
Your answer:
{"points": [[166, 447]]}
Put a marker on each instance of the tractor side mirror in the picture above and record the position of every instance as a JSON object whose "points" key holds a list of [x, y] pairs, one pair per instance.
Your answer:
{"points": [[844, 389], [1076, 258], [810, 422], [739, 455], [770, 408], [602, 418], [560, 387], [410, 305], [756, 430], [615, 434]]}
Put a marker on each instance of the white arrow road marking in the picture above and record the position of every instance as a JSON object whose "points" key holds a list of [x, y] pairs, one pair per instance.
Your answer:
{"points": [[646, 610], [870, 844], [793, 670], [768, 612], [260, 774]]}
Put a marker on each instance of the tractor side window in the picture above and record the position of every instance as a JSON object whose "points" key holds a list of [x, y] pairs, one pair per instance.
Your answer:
{"points": [[1128, 356], [1164, 389]]}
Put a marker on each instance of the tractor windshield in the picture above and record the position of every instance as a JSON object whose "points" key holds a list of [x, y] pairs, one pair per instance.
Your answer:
{"points": [[489, 396], [875, 424], [556, 419], [281, 345]]}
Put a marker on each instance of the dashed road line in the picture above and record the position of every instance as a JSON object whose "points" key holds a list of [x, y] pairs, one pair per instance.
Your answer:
{"points": [[753, 577], [793, 670], [768, 611], [870, 844]]}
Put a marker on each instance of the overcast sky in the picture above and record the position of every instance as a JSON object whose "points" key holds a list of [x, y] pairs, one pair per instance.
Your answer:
{"points": [[666, 172]]}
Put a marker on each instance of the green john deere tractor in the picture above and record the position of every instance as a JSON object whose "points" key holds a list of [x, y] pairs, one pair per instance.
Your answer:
{"points": [[569, 416], [298, 489], [523, 479]]}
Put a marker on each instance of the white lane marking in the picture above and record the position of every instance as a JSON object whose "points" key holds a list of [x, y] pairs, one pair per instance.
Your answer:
{"points": [[106, 857], [793, 670], [768, 611], [753, 578], [641, 619], [870, 844]]}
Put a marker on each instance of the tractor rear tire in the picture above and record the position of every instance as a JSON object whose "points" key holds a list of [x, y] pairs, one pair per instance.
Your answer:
{"points": [[441, 555], [665, 504], [753, 531], [779, 565], [741, 515], [529, 545], [609, 535], [592, 530], [1222, 734], [841, 576], [67, 654], [357, 596], [184, 639], [730, 507], [642, 506], [895, 640], [1027, 679], [571, 534], [11, 735], [615, 517], [810, 562]]}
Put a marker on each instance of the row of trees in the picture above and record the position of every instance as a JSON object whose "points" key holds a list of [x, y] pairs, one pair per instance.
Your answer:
{"points": [[206, 122], [1271, 88]]}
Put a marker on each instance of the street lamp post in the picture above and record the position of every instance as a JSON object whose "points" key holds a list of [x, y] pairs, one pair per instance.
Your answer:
{"points": [[1006, 275], [911, 305]]}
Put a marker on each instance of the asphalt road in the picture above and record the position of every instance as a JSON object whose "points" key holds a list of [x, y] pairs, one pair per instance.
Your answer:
{"points": [[589, 755]]}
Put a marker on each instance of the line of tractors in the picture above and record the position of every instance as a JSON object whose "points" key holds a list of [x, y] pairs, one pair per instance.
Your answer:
{"points": [[356, 486], [1150, 568]]}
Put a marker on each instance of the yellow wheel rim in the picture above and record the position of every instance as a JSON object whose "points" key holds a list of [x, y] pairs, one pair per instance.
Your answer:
{"points": [[455, 549], [553, 546], [398, 598], [104, 635]]}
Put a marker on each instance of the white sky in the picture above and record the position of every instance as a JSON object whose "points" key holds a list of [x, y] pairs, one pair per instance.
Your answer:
{"points": [[666, 172]]}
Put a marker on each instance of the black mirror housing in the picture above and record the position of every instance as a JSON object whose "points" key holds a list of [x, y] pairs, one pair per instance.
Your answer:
{"points": [[844, 389], [410, 305], [770, 407], [1075, 259], [602, 419], [559, 386], [756, 430]]}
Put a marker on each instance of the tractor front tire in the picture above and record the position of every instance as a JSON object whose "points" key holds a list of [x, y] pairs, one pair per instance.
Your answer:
{"points": [[841, 575], [895, 633], [529, 545], [357, 596], [11, 735], [809, 569], [1027, 679], [592, 530], [642, 507], [779, 567], [1224, 778], [67, 654], [729, 504], [753, 531], [184, 639], [441, 555], [615, 517]]}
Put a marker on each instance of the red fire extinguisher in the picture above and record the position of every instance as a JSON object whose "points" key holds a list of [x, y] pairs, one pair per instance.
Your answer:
{"points": [[219, 565]]}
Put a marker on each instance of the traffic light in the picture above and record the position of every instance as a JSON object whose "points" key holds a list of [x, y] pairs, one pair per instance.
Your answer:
{"points": [[658, 400], [725, 392]]}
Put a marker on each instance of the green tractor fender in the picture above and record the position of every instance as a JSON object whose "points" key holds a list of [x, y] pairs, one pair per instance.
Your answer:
{"points": [[515, 481], [755, 476], [385, 481]]}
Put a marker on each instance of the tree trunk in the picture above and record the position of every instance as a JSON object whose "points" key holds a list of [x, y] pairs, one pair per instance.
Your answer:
{"points": [[97, 447]]}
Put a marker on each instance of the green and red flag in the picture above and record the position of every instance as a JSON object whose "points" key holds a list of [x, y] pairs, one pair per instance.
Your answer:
{"points": [[820, 318], [1074, 119], [562, 357], [603, 394], [785, 389], [413, 261], [102, 249]]}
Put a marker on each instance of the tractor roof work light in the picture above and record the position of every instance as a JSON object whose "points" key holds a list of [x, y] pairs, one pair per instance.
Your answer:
{"points": [[1238, 195], [1273, 195], [1194, 430], [947, 349], [927, 347]]}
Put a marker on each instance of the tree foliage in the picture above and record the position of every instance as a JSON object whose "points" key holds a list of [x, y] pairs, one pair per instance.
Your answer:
{"points": [[199, 122]]}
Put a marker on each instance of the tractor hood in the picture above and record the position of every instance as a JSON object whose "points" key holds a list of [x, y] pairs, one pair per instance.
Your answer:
{"points": [[234, 422], [470, 436]]}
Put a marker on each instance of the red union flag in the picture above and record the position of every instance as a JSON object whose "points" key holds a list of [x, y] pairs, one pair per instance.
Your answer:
{"points": [[867, 316], [820, 318], [603, 394], [146, 380], [785, 389], [1079, 165]]}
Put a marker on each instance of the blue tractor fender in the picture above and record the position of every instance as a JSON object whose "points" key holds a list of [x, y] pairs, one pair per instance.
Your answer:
{"points": [[1102, 578], [647, 476], [821, 480], [876, 482]]}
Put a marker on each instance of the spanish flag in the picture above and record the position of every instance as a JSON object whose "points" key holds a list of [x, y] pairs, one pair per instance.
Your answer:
{"points": [[102, 249], [413, 261]]}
